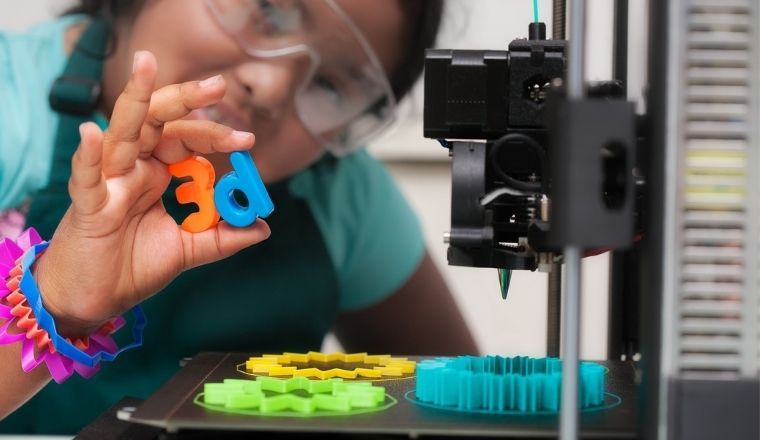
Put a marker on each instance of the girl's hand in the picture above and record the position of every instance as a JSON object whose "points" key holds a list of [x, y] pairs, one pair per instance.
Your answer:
{"points": [[116, 244]]}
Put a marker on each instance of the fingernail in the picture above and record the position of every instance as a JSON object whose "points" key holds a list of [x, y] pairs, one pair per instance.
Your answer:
{"points": [[242, 134], [208, 82], [81, 130], [138, 56]]}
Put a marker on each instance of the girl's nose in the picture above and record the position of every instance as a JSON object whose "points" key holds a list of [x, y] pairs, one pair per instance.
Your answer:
{"points": [[271, 84]]}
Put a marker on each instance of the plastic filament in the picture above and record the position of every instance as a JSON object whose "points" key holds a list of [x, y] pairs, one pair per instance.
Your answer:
{"points": [[503, 384]]}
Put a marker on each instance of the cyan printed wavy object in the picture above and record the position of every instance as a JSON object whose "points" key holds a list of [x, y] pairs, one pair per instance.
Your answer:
{"points": [[503, 384]]}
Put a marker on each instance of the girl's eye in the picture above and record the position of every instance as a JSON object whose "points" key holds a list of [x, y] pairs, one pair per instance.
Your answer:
{"points": [[268, 9], [327, 87], [273, 18]]}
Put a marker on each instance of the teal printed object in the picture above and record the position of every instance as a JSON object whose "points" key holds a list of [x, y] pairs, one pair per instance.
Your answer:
{"points": [[503, 384]]}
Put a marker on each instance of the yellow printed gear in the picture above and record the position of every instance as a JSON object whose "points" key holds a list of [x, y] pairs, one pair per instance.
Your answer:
{"points": [[377, 366]]}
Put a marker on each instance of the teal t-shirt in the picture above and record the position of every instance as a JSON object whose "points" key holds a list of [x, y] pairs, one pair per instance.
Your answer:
{"points": [[343, 238]]}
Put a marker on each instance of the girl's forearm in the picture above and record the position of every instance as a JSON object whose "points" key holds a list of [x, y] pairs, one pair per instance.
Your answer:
{"points": [[17, 387]]}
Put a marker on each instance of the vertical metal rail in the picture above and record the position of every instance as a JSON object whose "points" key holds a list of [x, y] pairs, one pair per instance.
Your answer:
{"points": [[620, 43], [568, 423], [553, 310], [569, 418], [559, 8]]}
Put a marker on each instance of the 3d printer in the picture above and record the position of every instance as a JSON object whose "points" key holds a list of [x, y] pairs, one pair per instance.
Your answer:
{"points": [[542, 167], [546, 168]]}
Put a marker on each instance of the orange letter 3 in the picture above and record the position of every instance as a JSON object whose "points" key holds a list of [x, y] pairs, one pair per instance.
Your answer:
{"points": [[199, 191]]}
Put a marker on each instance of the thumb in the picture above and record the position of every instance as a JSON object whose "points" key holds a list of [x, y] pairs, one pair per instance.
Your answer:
{"points": [[220, 242]]}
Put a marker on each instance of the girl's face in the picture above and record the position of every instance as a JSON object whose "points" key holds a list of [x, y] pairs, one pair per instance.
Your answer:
{"points": [[190, 45]]}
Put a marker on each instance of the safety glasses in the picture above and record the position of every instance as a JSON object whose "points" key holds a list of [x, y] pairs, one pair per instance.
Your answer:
{"points": [[344, 97]]}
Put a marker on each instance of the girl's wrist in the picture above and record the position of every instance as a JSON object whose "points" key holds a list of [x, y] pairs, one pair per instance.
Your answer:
{"points": [[57, 329], [52, 288]]}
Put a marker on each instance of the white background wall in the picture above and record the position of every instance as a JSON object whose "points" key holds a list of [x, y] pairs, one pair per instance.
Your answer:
{"points": [[517, 325]]}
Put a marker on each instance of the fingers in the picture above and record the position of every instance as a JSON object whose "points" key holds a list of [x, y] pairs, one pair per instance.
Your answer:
{"points": [[220, 242], [184, 138], [145, 123], [176, 101], [122, 140], [87, 186]]}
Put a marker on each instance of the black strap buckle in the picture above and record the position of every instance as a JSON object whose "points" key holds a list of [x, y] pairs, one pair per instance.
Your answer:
{"points": [[75, 94]]}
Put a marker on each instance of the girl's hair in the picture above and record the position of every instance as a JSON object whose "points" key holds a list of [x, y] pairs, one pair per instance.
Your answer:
{"points": [[423, 21]]}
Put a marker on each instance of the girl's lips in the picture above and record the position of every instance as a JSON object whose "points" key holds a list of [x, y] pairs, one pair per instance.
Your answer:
{"points": [[225, 114]]}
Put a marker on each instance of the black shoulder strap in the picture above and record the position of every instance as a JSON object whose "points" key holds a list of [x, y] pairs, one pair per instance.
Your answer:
{"points": [[75, 96], [77, 90]]}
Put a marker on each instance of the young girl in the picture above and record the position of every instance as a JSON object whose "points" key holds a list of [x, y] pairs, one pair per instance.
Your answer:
{"points": [[314, 80]]}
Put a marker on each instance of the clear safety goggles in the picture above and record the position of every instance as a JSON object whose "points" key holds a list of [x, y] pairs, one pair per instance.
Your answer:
{"points": [[344, 97]]}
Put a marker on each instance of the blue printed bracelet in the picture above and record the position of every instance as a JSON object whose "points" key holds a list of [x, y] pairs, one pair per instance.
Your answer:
{"points": [[46, 322]]}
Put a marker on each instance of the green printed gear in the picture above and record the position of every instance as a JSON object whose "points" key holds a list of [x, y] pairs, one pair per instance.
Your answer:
{"points": [[272, 396]]}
